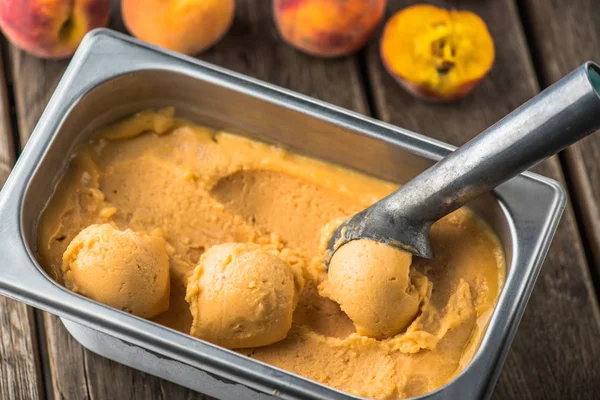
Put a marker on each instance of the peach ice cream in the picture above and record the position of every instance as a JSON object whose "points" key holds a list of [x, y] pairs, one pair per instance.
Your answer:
{"points": [[372, 283], [242, 295], [122, 269]]}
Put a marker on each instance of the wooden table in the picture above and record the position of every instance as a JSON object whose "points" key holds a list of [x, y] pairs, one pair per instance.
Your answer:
{"points": [[556, 353]]}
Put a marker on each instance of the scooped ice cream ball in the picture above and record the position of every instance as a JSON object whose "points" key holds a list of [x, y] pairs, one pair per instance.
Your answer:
{"points": [[122, 269], [371, 283], [242, 295]]}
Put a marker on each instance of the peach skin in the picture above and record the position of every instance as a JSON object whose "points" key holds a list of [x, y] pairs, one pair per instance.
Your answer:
{"points": [[328, 28], [51, 28], [186, 26], [437, 54]]}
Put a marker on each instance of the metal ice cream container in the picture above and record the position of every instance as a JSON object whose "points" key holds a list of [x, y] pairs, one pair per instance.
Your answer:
{"points": [[113, 75]]}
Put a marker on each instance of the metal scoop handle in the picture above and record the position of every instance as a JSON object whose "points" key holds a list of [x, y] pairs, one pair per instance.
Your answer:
{"points": [[557, 117]]}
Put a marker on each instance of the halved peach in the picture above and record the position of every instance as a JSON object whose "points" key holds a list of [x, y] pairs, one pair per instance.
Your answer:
{"points": [[437, 54]]}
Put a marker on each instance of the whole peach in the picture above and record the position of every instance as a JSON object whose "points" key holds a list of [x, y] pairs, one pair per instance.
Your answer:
{"points": [[328, 28], [51, 28], [186, 26]]}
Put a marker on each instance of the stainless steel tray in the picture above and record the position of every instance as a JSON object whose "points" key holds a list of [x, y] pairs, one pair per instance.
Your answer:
{"points": [[113, 75]]}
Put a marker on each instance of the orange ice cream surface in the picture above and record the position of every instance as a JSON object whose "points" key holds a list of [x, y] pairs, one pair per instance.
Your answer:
{"points": [[371, 281], [122, 269], [244, 226], [243, 295]]}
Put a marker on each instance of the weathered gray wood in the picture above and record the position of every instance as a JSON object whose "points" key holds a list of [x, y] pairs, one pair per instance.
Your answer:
{"points": [[556, 349], [20, 375], [567, 34]]}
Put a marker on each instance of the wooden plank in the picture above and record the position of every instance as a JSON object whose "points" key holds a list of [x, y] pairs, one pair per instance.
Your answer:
{"points": [[20, 374], [556, 349], [251, 47], [566, 35]]}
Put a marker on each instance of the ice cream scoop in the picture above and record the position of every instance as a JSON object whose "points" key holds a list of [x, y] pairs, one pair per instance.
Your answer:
{"points": [[123, 269], [242, 295], [559, 116]]}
